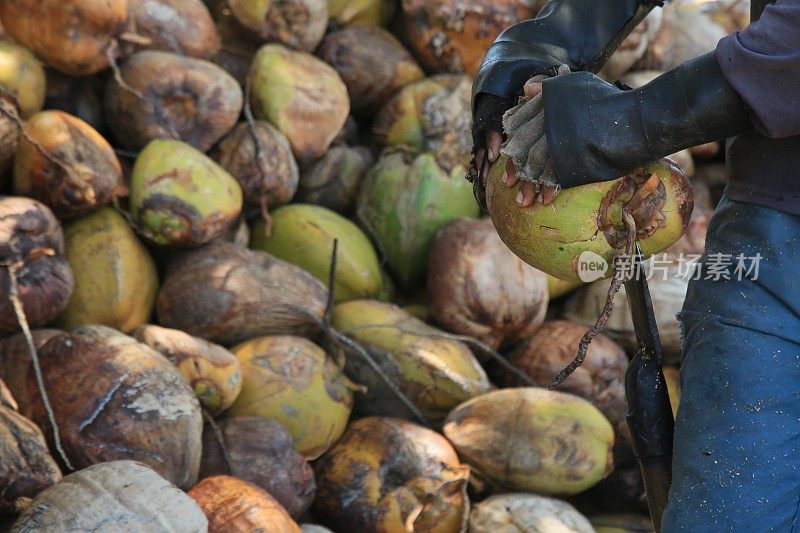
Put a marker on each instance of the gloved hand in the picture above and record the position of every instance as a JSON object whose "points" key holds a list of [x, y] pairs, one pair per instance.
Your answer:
{"points": [[592, 131]]}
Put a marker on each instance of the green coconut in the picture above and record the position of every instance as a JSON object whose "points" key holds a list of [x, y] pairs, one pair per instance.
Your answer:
{"points": [[115, 277], [23, 77], [180, 197], [585, 223], [299, 24], [301, 95], [436, 373], [404, 201], [303, 235]]}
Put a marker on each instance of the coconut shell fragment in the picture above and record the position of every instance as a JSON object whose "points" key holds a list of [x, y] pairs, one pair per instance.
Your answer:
{"points": [[387, 474], [66, 164], [32, 245], [261, 160], [227, 295], [235, 506], [169, 96], [76, 37], [301, 95], [114, 496], [533, 439], [114, 398], [372, 63], [478, 287], [259, 450], [298, 24], [292, 381], [177, 26], [26, 467]]}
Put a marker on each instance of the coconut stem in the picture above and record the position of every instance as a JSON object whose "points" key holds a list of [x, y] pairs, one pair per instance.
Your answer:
{"points": [[616, 283], [220, 440], [19, 311], [112, 61]]}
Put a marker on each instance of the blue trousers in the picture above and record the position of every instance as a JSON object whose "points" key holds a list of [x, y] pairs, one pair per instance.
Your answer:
{"points": [[737, 436]]}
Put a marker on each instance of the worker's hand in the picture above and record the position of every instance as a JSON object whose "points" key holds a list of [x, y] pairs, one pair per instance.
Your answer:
{"points": [[531, 192]]}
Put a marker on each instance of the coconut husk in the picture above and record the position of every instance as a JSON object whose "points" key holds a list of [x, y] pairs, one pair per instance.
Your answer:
{"points": [[478, 287], [259, 450], [227, 295], [15, 361], [177, 26], [333, 181]]}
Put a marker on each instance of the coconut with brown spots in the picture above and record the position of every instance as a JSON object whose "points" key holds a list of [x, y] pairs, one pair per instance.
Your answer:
{"points": [[298, 24], [169, 96], [114, 398], [259, 450], [227, 295], [386, 474], [333, 181], [32, 245], [478, 287]]}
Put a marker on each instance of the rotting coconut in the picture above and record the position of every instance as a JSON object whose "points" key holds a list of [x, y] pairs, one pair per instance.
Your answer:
{"points": [[31, 248], [668, 286], [114, 398], [586, 219], [301, 95], [453, 35], [533, 439], [436, 373], [180, 197], [526, 513], [22, 76], [372, 12], [404, 201], [236, 506], [303, 235], [26, 467], [292, 381], [65, 163], [431, 115], [333, 180], [114, 496], [115, 277], [386, 474], [169, 96], [261, 160], [76, 37], [228, 295], [259, 450], [15, 359], [210, 370], [478, 287], [601, 378], [298, 24], [372, 63], [177, 26]]}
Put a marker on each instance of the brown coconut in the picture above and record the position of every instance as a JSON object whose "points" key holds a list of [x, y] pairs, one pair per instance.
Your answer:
{"points": [[15, 360], [373, 64], [259, 450], [301, 95], [298, 24], [76, 37], [227, 295], [386, 474], [261, 160], [432, 115], [478, 287], [114, 398], [173, 97], [112, 497], [177, 26], [453, 35], [235, 506], [333, 181], [26, 467], [600, 379], [65, 163], [31, 241]]}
